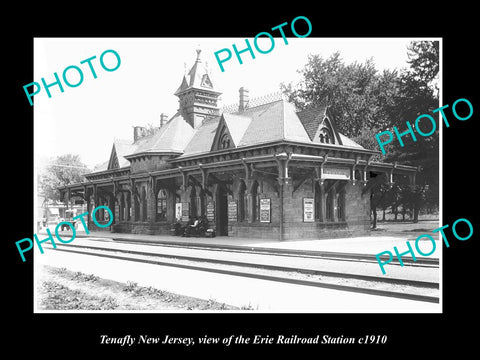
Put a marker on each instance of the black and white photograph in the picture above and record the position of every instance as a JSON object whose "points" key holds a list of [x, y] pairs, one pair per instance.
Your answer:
{"points": [[248, 189], [273, 183]]}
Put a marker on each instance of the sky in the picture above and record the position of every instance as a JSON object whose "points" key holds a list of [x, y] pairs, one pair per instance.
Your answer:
{"points": [[86, 119]]}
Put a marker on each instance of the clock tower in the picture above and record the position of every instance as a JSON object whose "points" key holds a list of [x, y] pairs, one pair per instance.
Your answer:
{"points": [[197, 95]]}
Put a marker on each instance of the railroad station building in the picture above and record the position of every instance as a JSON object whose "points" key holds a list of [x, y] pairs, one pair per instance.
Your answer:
{"points": [[260, 169]]}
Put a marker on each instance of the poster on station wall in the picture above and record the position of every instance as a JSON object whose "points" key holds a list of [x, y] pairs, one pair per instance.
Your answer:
{"points": [[211, 211], [232, 210], [178, 211], [308, 210], [185, 211], [265, 210]]}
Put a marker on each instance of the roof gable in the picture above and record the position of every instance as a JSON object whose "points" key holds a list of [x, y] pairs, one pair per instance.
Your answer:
{"points": [[120, 149], [230, 131], [222, 139], [199, 77], [202, 140], [319, 124], [272, 122], [113, 162], [311, 119], [326, 133], [292, 126]]}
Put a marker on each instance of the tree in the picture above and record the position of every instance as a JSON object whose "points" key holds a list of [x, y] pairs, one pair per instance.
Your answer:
{"points": [[424, 63], [366, 138], [151, 129], [364, 102], [418, 94], [358, 97], [61, 171]]}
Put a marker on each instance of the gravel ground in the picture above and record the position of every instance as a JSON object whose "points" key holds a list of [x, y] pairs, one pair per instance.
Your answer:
{"points": [[62, 289]]}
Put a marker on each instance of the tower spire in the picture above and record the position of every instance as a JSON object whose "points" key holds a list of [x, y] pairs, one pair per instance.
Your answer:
{"points": [[197, 94]]}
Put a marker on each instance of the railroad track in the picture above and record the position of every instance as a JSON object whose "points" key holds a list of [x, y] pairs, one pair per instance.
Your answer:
{"points": [[379, 286], [327, 255]]}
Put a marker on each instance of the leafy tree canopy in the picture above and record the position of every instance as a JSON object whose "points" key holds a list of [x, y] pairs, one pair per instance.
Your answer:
{"points": [[60, 171], [365, 102]]}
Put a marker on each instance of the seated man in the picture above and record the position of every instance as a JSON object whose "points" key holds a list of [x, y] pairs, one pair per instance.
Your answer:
{"points": [[191, 226], [194, 226]]}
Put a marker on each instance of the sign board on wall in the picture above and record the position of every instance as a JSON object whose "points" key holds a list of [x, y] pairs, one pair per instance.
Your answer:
{"points": [[178, 211], [232, 210], [185, 211], [211, 211], [265, 210], [336, 173], [308, 209]]}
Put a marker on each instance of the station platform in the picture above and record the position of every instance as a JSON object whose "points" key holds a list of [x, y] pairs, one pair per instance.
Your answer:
{"points": [[384, 239]]}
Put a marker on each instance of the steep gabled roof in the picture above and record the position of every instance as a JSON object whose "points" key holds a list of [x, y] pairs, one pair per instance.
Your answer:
{"points": [[275, 121], [349, 142], [170, 138], [237, 125], [123, 148], [198, 77], [271, 122], [234, 126], [312, 118], [202, 140]]}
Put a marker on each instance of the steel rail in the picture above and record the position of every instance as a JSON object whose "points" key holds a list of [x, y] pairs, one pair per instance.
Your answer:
{"points": [[369, 291], [427, 262]]}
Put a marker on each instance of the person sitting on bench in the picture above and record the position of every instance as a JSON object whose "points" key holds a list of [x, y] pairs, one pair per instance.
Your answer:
{"points": [[191, 226], [195, 224]]}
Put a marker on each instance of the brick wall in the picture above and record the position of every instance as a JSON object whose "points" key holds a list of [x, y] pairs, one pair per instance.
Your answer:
{"points": [[162, 228], [149, 163], [356, 223], [357, 220]]}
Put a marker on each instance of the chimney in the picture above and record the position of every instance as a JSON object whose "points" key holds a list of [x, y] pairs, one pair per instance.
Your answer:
{"points": [[138, 132], [243, 104], [163, 119]]}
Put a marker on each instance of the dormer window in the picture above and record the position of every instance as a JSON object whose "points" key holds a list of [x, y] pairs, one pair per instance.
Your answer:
{"points": [[326, 136], [225, 141]]}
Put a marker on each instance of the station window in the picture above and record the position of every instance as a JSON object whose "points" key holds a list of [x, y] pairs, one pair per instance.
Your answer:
{"points": [[122, 208], [225, 141], [143, 204], [136, 205], [162, 205], [255, 202], [329, 206], [325, 136], [318, 203], [128, 204], [193, 202]]}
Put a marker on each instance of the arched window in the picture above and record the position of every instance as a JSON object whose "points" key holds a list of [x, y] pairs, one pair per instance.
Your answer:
{"points": [[255, 202], [341, 206], [329, 206], [144, 204], [128, 208], [200, 203], [225, 141], [136, 205], [193, 202], [325, 136], [318, 202], [121, 207], [161, 205]]}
